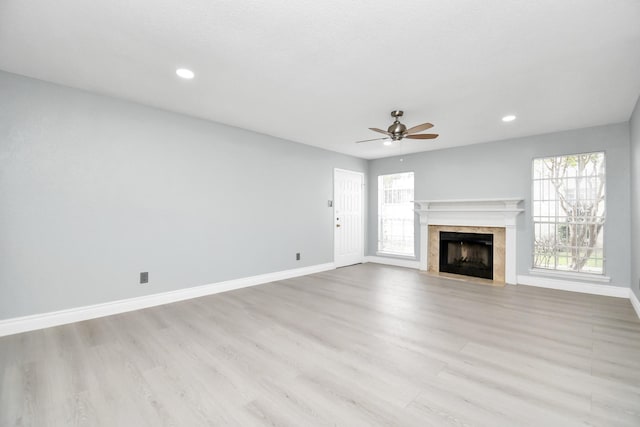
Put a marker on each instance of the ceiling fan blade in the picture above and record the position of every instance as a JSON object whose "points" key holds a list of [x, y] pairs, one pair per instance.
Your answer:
{"points": [[380, 130], [419, 128], [423, 136], [367, 140]]}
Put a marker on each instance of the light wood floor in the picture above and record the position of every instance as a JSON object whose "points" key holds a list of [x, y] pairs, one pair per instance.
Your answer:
{"points": [[362, 345]]}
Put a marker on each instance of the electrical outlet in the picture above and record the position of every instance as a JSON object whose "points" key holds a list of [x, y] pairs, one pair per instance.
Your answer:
{"points": [[298, 256], [144, 277]]}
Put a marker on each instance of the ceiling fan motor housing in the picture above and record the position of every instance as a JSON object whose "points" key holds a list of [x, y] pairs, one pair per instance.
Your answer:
{"points": [[397, 129]]}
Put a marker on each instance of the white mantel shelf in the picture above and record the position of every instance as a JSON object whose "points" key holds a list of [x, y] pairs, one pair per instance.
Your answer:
{"points": [[472, 212], [470, 205]]}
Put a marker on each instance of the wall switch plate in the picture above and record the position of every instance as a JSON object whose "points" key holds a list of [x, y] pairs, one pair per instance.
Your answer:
{"points": [[298, 256], [144, 277]]}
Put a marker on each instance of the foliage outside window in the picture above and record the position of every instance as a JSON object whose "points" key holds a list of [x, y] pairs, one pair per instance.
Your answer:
{"points": [[395, 214], [569, 212]]}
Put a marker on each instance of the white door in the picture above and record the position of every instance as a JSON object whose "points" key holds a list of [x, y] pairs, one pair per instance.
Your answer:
{"points": [[348, 224]]}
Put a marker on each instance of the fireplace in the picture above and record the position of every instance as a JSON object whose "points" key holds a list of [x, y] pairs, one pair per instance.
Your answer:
{"points": [[469, 254], [486, 216]]}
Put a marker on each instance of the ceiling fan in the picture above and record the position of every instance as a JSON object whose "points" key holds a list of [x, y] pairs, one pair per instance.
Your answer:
{"points": [[398, 131]]}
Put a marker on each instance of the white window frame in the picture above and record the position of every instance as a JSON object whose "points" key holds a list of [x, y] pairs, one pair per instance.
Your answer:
{"points": [[385, 249], [547, 270]]}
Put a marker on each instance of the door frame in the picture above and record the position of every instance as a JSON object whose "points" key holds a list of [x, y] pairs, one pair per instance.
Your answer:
{"points": [[362, 216]]}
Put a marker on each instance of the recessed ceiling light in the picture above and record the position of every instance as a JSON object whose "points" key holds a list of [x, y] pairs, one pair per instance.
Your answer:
{"points": [[185, 73], [509, 118], [389, 142]]}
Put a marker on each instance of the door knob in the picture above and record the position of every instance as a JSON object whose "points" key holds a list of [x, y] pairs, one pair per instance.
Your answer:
{"points": [[337, 225]]}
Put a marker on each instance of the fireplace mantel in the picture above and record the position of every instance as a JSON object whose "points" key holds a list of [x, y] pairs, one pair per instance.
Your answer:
{"points": [[472, 212], [470, 205]]}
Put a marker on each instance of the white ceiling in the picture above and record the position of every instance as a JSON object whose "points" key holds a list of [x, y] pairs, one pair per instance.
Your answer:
{"points": [[322, 72]]}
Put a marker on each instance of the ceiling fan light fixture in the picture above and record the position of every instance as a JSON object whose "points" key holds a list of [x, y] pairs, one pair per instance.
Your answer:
{"points": [[185, 73], [388, 142]]}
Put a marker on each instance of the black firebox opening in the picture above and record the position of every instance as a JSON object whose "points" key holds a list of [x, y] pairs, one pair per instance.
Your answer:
{"points": [[470, 254]]}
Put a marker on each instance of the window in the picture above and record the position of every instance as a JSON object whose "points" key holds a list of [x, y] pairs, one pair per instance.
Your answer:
{"points": [[569, 212], [395, 214]]}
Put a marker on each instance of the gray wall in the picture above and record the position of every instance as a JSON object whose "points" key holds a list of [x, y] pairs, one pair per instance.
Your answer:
{"points": [[94, 190], [634, 126], [503, 169]]}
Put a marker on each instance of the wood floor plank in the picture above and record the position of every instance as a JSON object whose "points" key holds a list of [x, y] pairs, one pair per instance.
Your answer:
{"points": [[360, 345]]}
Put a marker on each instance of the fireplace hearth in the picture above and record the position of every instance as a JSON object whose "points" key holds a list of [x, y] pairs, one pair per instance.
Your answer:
{"points": [[469, 254]]}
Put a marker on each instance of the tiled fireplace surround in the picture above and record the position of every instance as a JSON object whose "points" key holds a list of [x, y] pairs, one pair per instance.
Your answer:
{"points": [[491, 216]]}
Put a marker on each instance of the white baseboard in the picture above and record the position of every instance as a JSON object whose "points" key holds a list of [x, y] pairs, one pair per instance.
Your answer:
{"points": [[55, 318], [565, 285], [635, 302], [398, 262]]}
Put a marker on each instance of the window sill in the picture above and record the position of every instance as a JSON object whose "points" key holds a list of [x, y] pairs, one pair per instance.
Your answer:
{"points": [[397, 256], [570, 275]]}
